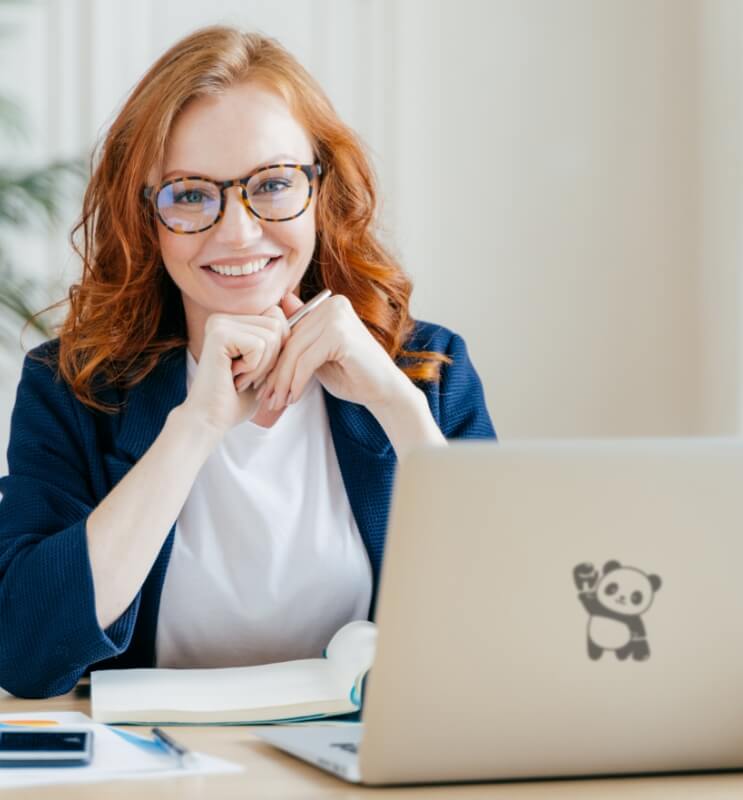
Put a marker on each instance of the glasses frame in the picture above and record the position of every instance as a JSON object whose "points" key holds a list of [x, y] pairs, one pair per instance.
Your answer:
{"points": [[312, 171]]}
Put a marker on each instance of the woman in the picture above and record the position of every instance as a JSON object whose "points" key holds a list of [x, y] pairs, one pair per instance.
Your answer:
{"points": [[192, 483]]}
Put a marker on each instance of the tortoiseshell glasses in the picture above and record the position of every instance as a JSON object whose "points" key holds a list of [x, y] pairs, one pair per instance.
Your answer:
{"points": [[192, 204]]}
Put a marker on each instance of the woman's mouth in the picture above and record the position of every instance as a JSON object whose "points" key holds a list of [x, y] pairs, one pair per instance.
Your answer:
{"points": [[238, 275]]}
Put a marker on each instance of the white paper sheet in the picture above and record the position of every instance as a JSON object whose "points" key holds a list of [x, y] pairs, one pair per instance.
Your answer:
{"points": [[114, 758]]}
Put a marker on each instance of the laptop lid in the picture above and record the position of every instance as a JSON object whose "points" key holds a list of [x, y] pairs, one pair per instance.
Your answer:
{"points": [[496, 597]]}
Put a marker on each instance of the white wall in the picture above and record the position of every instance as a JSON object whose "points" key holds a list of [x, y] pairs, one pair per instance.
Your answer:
{"points": [[571, 130], [720, 221], [562, 179]]}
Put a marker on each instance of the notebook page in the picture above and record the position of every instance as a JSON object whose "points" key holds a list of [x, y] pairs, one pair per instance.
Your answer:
{"points": [[215, 690], [352, 649]]}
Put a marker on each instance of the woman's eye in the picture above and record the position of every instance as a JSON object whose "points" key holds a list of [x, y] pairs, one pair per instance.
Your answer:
{"points": [[271, 187], [190, 197]]}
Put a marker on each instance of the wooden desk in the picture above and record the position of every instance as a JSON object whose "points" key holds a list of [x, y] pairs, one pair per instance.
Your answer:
{"points": [[271, 774]]}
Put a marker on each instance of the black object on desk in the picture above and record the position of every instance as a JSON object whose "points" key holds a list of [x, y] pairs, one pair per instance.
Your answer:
{"points": [[58, 748]]}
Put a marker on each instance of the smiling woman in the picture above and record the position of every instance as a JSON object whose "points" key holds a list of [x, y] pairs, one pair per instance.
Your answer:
{"points": [[245, 129], [218, 105], [178, 433]]}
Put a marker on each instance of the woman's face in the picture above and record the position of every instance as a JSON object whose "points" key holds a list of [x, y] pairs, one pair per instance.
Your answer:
{"points": [[224, 137]]}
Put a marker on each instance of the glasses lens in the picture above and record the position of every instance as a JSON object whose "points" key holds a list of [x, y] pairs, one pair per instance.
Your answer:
{"points": [[188, 205], [278, 193]]}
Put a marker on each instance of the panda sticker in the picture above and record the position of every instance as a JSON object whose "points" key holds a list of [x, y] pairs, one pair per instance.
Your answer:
{"points": [[615, 602]]}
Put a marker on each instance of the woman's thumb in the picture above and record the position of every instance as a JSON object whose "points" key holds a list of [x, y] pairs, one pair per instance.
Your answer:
{"points": [[290, 303]]}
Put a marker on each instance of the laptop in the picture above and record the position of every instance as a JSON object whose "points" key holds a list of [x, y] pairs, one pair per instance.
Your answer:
{"points": [[552, 609]]}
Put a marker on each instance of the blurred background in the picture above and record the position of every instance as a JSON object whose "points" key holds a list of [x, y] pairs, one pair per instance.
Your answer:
{"points": [[561, 179]]}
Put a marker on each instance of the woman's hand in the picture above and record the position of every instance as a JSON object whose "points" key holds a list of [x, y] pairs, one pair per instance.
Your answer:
{"points": [[238, 351], [334, 344]]}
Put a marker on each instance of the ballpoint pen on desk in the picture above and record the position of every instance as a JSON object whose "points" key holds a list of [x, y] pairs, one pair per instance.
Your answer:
{"points": [[181, 753]]}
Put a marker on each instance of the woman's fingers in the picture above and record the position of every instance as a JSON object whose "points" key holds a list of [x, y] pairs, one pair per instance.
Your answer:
{"points": [[277, 314], [311, 360], [298, 349], [274, 331], [282, 333]]}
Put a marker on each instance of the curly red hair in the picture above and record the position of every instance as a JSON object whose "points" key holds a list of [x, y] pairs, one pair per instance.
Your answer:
{"points": [[126, 311]]}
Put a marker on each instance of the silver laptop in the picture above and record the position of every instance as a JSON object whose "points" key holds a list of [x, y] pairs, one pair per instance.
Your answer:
{"points": [[553, 609]]}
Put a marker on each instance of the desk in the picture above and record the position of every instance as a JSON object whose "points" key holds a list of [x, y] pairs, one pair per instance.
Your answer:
{"points": [[271, 774]]}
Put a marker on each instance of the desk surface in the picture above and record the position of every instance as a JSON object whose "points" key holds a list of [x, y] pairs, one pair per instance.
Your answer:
{"points": [[272, 774]]}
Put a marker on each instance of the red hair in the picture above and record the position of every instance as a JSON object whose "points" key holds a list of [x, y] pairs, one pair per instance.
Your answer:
{"points": [[126, 311]]}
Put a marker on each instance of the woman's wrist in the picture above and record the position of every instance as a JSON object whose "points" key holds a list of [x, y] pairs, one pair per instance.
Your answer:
{"points": [[406, 418], [190, 426]]}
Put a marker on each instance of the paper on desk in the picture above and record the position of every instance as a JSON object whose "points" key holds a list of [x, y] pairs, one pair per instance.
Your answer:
{"points": [[114, 758]]}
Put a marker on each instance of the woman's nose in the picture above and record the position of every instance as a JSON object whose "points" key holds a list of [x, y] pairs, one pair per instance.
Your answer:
{"points": [[237, 226]]}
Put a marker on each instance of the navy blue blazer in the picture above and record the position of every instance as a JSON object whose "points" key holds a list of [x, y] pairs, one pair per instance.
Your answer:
{"points": [[64, 458]]}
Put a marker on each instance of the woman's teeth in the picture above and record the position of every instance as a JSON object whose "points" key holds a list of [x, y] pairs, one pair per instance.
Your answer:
{"points": [[241, 269]]}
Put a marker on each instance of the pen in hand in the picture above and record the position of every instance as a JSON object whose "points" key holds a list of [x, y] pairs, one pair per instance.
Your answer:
{"points": [[308, 306], [300, 314]]}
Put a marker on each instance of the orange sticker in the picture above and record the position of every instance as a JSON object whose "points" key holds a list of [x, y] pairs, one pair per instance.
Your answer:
{"points": [[38, 722]]}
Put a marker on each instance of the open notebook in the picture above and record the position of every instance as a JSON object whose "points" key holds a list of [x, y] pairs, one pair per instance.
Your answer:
{"points": [[288, 690]]}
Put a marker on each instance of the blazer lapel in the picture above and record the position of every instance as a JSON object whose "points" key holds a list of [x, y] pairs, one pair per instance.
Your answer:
{"points": [[150, 402], [367, 462]]}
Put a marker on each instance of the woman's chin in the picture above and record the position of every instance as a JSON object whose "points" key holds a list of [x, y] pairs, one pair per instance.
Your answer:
{"points": [[257, 305]]}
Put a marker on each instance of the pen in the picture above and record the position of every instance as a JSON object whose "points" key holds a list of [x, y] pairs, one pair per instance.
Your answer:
{"points": [[308, 306], [182, 753], [300, 314]]}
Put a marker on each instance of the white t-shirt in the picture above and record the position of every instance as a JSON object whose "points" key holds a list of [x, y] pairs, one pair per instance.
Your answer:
{"points": [[267, 561]]}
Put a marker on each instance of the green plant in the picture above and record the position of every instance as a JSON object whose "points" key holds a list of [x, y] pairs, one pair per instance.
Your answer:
{"points": [[30, 199]]}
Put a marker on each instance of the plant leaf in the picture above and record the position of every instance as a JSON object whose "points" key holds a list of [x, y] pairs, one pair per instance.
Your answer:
{"points": [[20, 296], [38, 196]]}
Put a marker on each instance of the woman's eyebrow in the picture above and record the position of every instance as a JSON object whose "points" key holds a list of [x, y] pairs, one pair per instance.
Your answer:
{"points": [[275, 159]]}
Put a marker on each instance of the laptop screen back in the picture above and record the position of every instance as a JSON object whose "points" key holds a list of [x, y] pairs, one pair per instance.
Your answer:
{"points": [[560, 608]]}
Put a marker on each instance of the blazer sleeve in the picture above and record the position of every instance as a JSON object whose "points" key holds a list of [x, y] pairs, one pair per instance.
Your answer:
{"points": [[49, 632], [463, 413]]}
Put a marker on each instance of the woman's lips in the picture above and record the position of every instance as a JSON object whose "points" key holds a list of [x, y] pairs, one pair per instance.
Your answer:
{"points": [[238, 281]]}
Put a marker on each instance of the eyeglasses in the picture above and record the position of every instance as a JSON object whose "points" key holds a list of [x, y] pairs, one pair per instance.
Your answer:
{"points": [[276, 193]]}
